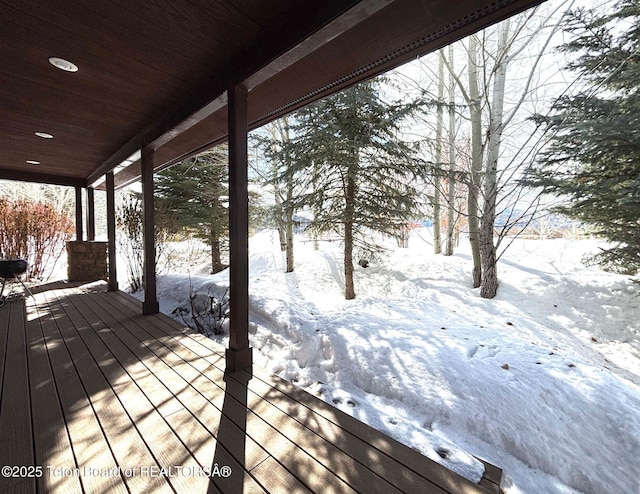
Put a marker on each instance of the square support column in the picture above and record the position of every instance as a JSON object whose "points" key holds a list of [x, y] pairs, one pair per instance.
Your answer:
{"points": [[111, 232], [79, 232], [91, 216], [150, 304], [239, 354]]}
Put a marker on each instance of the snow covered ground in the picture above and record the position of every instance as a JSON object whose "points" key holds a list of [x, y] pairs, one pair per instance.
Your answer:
{"points": [[543, 380]]}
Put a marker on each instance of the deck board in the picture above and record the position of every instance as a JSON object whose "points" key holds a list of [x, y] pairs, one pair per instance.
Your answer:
{"points": [[15, 417], [231, 405], [88, 443], [89, 384], [51, 439], [173, 372], [129, 380], [164, 388], [277, 431], [180, 377], [94, 360]]}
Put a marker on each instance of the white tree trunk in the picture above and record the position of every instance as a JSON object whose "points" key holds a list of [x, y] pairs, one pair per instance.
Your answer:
{"points": [[314, 230], [489, 283], [473, 193], [484, 186], [350, 188], [273, 132], [437, 239], [289, 207], [452, 160]]}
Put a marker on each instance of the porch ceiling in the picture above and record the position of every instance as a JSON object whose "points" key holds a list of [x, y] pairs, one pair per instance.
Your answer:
{"points": [[157, 72]]}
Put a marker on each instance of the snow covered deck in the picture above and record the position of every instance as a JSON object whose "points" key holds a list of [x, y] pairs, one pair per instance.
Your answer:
{"points": [[97, 398]]}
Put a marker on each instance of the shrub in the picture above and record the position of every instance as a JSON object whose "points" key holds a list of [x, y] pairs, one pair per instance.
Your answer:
{"points": [[35, 232], [129, 222]]}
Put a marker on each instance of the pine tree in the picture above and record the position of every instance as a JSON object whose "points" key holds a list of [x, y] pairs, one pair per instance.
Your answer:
{"points": [[594, 158], [196, 189], [360, 177]]}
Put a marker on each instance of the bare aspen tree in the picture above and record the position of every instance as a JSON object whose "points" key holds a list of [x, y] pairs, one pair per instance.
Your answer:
{"points": [[279, 217], [491, 179], [278, 149], [473, 99], [498, 179], [316, 206], [475, 111], [437, 240], [489, 281], [288, 210], [448, 251]]}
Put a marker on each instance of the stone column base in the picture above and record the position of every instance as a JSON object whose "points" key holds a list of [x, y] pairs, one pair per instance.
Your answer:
{"points": [[86, 261]]}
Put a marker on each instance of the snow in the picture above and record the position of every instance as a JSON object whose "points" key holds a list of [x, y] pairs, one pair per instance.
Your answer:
{"points": [[543, 380]]}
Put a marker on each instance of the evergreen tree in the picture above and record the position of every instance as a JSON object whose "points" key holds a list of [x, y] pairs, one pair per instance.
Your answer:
{"points": [[197, 189], [359, 176], [594, 156]]}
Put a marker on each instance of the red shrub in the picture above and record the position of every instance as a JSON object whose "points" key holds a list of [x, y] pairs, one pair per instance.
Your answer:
{"points": [[35, 232]]}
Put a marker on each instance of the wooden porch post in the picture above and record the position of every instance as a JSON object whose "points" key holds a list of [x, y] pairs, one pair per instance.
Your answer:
{"points": [[79, 233], [150, 304], [239, 354], [91, 215], [111, 232]]}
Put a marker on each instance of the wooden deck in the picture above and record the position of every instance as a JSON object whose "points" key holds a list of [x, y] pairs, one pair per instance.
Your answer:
{"points": [[106, 400]]}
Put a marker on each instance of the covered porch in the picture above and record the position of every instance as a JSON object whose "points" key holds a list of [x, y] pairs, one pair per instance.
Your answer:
{"points": [[96, 397], [97, 95]]}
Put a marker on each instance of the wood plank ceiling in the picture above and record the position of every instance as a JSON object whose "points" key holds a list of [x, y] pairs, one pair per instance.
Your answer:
{"points": [[157, 71]]}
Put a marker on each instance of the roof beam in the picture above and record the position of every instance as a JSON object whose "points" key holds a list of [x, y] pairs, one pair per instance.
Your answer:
{"points": [[133, 145], [42, 178], [322, 36]]}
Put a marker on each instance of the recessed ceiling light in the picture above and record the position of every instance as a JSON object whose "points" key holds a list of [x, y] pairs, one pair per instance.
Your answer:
{"points": [[33, 162], [44, 135], [63, 64]]}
